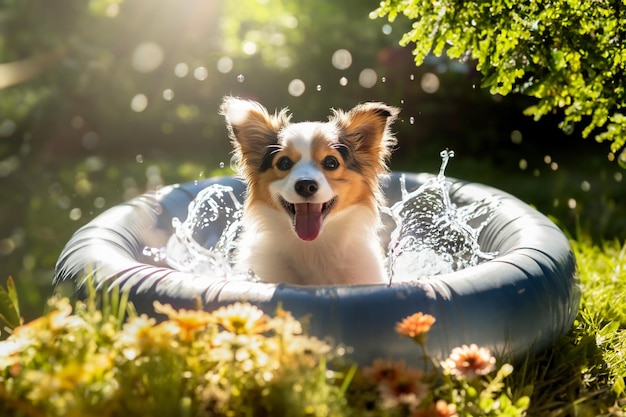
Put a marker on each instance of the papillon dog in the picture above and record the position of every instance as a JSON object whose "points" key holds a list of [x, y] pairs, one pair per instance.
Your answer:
{"points": [[311, 210]]}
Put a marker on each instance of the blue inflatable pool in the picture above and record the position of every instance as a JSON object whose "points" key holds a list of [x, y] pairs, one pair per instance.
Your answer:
{"points": [[520, 301]]}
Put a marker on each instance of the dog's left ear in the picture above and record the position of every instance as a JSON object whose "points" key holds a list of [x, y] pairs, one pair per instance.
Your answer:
{"points": [[366, 129]]}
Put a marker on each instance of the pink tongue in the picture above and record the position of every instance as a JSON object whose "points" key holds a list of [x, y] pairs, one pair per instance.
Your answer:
{"points": [[308, 220]]}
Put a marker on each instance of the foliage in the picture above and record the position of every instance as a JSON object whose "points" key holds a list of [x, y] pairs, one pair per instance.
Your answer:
{"points": [[92, 362], [234, 361], [569, 54], [9, 307]]}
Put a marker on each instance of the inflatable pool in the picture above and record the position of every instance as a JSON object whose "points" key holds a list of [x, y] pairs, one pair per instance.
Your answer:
{"points": [[520, 301]]}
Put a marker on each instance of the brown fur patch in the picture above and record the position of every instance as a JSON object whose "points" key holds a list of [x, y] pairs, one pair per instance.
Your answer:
{"points": [[365, 131]]}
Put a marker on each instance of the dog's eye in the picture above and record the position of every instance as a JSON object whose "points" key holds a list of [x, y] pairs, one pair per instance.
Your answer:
{"points": [[330, 163], [284, 163]]}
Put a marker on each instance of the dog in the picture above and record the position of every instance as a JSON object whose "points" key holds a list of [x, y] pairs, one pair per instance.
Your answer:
{"points": [[310, 213]]}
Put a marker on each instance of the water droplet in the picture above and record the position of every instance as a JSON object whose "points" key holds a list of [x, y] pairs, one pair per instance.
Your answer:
{"points": [[383, 79], [222, 165], [402, 101], [139, 158], [241, 78], [343, 81], [411, 77], [412, 120], [318, 87]]}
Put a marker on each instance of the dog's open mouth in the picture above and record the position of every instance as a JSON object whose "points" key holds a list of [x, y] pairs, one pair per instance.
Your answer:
{"points": [[307, 218]]}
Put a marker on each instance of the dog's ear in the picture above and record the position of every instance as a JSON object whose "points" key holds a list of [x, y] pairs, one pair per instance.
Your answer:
{"points": [[251, 128], [365, 130]]}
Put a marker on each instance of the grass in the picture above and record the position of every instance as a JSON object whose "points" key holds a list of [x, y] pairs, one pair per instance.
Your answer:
{"points": [[583, 374], [70, 357]]}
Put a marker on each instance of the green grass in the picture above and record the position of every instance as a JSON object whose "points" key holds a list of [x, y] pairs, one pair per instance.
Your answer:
{"points": [[583, 373]]}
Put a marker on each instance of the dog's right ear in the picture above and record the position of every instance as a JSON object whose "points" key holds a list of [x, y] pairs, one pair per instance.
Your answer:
{"points": [[252, 129]]}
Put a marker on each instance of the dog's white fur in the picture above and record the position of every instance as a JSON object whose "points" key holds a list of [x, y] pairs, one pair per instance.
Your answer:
{"points": [[347, 248]]}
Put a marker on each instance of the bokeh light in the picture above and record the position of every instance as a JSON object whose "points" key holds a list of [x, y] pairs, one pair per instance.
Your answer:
{"points": [[296, 87], [342, 59], [368, 78], [429, 83], [200, 73], [147, 57], [181, 70], [225, 64], [139, 103]]}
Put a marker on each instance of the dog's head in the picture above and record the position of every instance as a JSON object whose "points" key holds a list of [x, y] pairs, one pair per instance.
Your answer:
{"points": [[310, 170]]}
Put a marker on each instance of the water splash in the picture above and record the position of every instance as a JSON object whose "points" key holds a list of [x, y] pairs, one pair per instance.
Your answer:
{"points": [[432, 235], [206, 241]]}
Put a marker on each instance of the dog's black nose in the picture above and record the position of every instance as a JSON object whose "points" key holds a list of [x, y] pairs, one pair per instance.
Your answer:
{"points": [[306, 187]]}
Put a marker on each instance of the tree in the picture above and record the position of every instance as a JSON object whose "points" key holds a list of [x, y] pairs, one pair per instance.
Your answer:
{"points": [[569, 54]]}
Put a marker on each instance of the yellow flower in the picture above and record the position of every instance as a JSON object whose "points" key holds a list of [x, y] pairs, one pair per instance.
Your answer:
{"points": [[188, 320], [242, 318], [416, 326], [469, 361], [58, 319]]}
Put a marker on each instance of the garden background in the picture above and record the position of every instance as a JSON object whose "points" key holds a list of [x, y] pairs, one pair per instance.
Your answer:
{"points": [[102, 100]]}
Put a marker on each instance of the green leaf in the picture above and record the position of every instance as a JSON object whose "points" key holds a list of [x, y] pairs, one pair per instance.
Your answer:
{"points": [[13, 294], [9, 311]]}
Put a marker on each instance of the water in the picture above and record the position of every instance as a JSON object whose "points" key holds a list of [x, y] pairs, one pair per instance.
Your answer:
{"points": [[432, 235], [206, 241]]}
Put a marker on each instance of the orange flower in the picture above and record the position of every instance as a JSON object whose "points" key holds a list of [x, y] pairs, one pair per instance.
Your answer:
{"points": [[187, 320], [416, 326], [439, 409], [242, 318], [398, 384], [469, 361]]}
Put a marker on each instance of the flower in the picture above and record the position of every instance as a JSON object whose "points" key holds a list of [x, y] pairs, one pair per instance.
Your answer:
{"points": [[415, 326], [406, 389], [383, 370], [242, 318], [469, 361], [187, 320], [397, 383], [439, 409], [59, 318]]}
